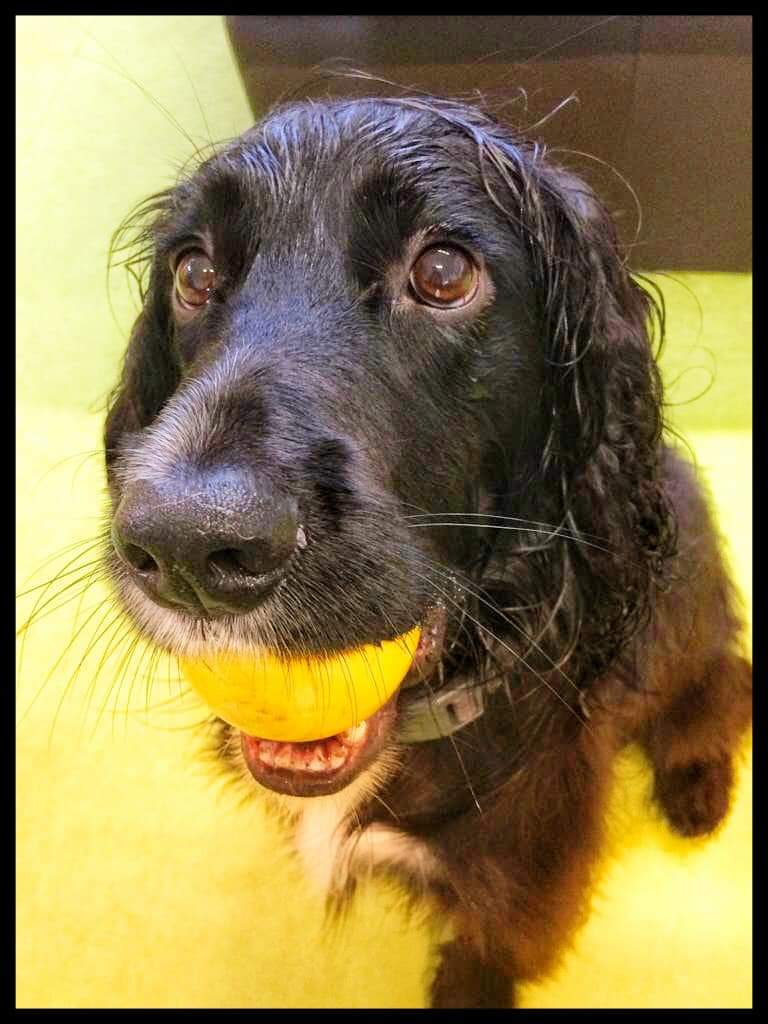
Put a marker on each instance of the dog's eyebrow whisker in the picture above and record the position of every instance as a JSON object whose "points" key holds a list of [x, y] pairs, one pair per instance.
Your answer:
{"points": [[119, 69], [211, 145]]}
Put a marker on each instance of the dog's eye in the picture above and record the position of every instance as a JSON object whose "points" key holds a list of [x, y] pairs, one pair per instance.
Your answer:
{"points": [[444, 276], [194, 278]]}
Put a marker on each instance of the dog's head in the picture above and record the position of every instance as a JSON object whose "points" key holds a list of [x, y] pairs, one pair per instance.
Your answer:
{"points": [[372, 329]]}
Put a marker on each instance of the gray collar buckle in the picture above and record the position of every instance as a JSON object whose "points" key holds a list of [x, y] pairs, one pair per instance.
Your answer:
{"points": [[438, 715]]}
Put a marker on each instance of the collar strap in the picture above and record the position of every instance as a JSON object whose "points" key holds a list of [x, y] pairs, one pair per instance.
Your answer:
{"points": [[436, 715]]}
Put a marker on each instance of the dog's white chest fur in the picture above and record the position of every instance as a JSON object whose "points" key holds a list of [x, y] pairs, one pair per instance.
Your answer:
{"points": [[332, 849]]}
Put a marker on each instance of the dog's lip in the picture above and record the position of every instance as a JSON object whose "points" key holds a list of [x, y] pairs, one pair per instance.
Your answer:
{"points": [[430, 647]]}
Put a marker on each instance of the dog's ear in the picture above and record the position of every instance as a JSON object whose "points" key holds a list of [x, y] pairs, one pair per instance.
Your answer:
{"points": [[150, 375], [605, 451], [598, 325], [602, 461]]}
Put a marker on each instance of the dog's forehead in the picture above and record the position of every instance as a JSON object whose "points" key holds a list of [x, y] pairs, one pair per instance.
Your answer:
{"points": [[317, 177], [301, 136], [317, 156]]}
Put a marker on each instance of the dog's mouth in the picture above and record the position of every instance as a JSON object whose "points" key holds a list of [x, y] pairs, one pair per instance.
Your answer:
{"points": [[318, 767], [324, 766]]}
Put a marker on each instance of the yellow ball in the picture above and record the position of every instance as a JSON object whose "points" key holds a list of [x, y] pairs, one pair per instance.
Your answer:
{"points": [[295, 699]]}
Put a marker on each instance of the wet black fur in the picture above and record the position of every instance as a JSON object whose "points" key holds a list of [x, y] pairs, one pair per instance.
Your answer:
{"points": [[371, 411]]}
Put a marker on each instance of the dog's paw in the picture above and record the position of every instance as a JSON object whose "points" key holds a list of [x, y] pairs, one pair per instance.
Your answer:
{"points": [[695, 797], [463, 981]]}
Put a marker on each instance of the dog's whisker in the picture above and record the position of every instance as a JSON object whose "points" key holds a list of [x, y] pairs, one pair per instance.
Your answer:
{"points": [[46, 604], [522, 657], [67, 648], [152, 656], [85, 543], [72, 566], [551, 534], [380, 800], [90, 573], [464, 771], [120, 631], [105, 607], [135, 643], [471, 587], [84, 456], [148, 658], [129, 646], [556, 528], [515, 654]]}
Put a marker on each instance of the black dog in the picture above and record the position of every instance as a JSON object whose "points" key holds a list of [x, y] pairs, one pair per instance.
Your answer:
{"points": [[392, 369]]}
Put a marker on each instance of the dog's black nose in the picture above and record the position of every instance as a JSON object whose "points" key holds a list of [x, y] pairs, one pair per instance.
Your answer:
{"points": [[213, 541]]}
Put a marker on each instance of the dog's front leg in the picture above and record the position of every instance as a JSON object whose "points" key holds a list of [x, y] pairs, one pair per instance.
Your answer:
{"points": [[464, 979], [519, 877]]}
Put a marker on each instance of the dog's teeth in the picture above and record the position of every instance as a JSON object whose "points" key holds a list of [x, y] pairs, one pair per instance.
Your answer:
{"points": [[284, 757], [267, 751], [356, 734], [324, 756]]}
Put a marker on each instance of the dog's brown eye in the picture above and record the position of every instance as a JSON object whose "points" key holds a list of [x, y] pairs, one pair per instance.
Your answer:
{"points": [[444, 276], [195, 277]]}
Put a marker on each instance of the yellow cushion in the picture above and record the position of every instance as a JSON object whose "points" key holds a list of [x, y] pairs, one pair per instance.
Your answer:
{"points": [[144, 880]]}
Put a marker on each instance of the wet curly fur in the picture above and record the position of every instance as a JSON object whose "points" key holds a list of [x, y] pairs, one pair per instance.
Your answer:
{"points": [[587, 566]]}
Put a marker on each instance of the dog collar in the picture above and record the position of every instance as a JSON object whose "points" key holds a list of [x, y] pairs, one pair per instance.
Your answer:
{"points": [[442, 711], [437, 715]]}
